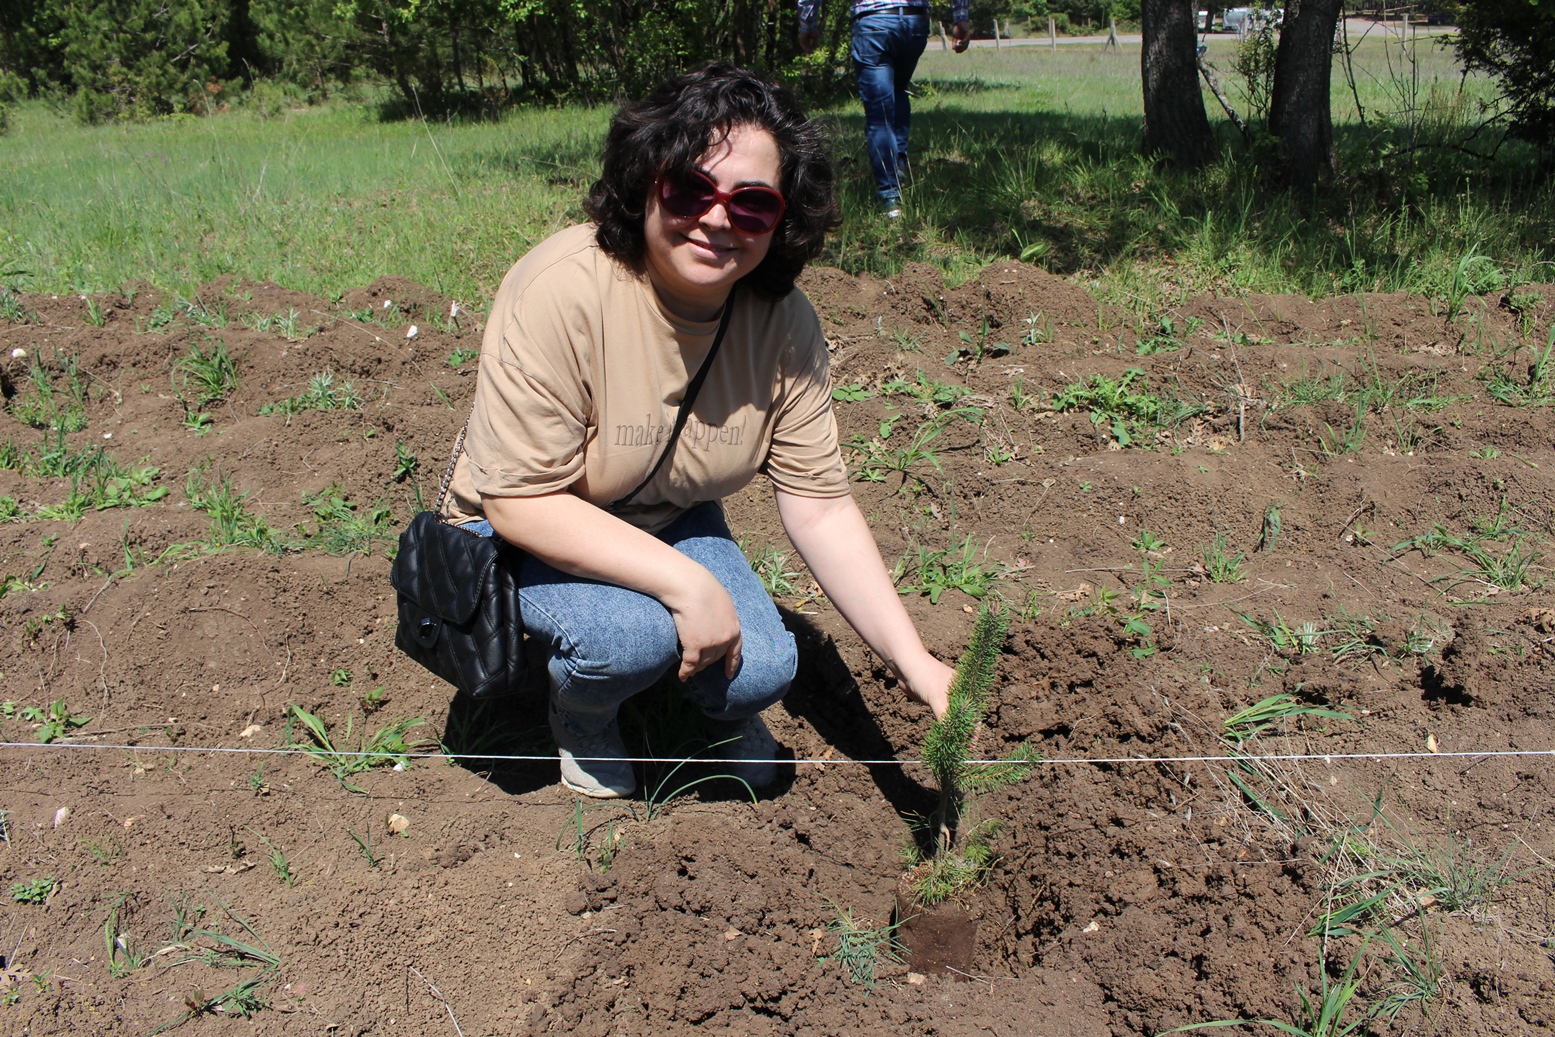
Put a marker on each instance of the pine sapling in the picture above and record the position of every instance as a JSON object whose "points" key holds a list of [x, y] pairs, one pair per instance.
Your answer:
{"points": [[948, 750]]}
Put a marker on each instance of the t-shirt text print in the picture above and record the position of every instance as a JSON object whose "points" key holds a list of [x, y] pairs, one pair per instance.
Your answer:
{"points": [[697, 434]]}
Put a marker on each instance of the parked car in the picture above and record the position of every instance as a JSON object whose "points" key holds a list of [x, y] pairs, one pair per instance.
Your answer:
{"points": [[1243, 20]]}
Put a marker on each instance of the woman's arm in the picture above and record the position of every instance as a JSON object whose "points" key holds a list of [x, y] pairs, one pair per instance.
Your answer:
{"points": [[572, 535], [835, 542]]}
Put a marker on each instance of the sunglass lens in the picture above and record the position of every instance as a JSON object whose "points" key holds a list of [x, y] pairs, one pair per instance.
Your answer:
{"points": [[688, 197], [755, 211]]}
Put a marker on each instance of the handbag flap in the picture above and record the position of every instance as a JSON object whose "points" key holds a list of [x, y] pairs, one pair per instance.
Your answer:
{"points": [[442, 567]]}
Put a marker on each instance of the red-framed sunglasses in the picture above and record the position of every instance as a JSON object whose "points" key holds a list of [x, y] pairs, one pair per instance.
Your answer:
{"points": [[690, 195]]}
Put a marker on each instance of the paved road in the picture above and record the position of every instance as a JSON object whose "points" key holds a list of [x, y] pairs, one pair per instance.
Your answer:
{"points": [[1358, 28]]}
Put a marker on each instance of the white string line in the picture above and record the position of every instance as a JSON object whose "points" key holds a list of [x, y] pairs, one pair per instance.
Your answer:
{"points": [[820, 761]]}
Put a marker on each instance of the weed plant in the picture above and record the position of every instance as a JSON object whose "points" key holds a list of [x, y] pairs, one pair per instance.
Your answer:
{"points": [[960, 567], [11, 309], [407, 469], [1513, 570], [1344, 440], [771, 567], [279, 323], [861, 944], [926, 390], [1219, 564], [341, 529], [213, 373], [323, 393], [34, 892], [119, 949], [595, 845], [1537, 389], [46, 405], [212, 947], [365, 844], [232, 525], [1123, 406], [1276, 711], [53, 721], [877, 461], [388, 746]]}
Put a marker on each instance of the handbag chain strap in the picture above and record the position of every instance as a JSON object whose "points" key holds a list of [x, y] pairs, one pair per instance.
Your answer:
{"points": [[448, 473], [694, 387]]}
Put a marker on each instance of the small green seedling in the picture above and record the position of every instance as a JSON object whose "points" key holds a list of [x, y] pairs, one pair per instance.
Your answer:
{"points": [[35, 892], [1274, 711], [388, 747], [278, 861], [861, 944], [323, 393], [212, 374], [53, 722], [1219, 564], [850, 393], [1271, 528], [365, 844], [340, 677], [121, 954]]}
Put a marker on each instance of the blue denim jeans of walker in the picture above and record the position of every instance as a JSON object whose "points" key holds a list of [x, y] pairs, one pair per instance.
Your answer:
{"points": [[885, 51], [605, 643]]}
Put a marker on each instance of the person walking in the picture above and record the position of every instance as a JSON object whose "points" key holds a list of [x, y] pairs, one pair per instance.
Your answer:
{"points": [[888, 38]]}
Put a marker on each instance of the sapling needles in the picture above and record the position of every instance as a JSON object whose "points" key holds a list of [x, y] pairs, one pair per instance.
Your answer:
{"points": [[949, 749]]}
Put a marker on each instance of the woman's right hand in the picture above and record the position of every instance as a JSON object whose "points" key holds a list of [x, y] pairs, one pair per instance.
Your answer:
{"points": [[706, 624]]}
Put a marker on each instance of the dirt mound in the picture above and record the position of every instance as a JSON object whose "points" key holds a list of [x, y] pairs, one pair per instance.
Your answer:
{"points": [[1272, 563]]}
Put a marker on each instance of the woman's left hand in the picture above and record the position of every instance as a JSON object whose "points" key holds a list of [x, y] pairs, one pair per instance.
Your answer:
{"points": [[928, 682]]}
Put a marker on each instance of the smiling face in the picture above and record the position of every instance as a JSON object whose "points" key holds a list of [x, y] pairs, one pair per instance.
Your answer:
{"points": [[693, 263]]}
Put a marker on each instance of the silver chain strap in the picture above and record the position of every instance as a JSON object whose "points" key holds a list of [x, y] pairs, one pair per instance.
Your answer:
{"points": [[448, 475]]}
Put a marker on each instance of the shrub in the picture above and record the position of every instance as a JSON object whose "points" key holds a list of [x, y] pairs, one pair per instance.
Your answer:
{"points": [[1514, 41]]}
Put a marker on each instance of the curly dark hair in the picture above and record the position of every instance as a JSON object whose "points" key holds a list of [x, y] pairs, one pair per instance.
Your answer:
{"points": [[670, 129]]}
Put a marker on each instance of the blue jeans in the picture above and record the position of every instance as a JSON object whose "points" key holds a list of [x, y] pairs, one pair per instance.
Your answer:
{"points": [[605, 643], [886, 48]]}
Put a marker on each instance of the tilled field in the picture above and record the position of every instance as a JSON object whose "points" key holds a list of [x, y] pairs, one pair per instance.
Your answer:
{"points": [[1339, 511]]}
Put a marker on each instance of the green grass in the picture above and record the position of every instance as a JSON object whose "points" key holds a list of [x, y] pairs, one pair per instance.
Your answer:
{"points": [[1017, 152]]}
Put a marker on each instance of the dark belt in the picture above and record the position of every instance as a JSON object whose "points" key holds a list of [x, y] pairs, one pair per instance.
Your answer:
{"points": [[896, 9]]}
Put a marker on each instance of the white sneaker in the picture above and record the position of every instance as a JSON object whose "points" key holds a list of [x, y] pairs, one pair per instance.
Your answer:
{"points": [[594, 764], [747, 741]]}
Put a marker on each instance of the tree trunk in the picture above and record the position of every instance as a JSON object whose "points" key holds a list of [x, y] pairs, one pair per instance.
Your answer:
{"points": [[1175, 123], [1299, 114]]}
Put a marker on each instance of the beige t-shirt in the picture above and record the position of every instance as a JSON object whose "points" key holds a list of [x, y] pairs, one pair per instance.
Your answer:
{"points": [[582, 370]]}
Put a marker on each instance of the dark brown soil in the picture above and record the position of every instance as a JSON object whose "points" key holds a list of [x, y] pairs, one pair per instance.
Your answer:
{"points": [[1128, 897]]}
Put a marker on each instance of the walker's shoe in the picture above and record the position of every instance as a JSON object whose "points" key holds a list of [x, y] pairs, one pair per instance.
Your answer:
{"points": [[891, 210], [593, 764], [749, 742]]}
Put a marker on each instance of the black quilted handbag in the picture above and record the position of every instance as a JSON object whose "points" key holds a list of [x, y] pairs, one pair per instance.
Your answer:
{"points": [[458, 602]]}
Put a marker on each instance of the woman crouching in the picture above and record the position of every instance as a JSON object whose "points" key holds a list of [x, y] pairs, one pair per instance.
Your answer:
{"points": [[715, 193]]}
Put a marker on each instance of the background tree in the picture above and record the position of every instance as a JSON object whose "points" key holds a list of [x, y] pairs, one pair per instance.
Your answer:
{"points": [[1175, 121], [1300, 116], [1514, 41], [144, 57]]}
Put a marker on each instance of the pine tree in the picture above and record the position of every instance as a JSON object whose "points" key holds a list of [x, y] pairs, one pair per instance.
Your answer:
{"points": [[961, 854]]}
